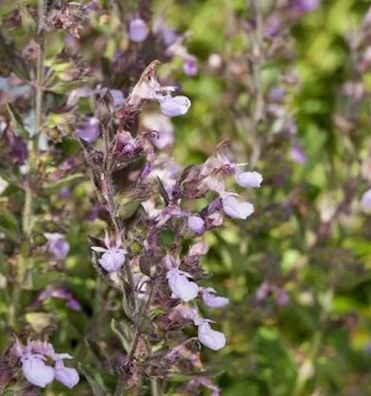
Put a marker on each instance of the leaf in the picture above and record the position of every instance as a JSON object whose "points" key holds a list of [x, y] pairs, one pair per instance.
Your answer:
{"points": [[129, 209], [16, 118], [66, 181], [145, 264], [95, 383], [9, 225], [63, 87], [42, 280], [163, 191], [98, 354], [125, 342], [13, 60]]}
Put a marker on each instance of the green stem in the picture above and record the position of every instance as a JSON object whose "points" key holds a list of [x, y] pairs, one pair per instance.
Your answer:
{"points": [[156, 387], [307, 367], [27, 214]]}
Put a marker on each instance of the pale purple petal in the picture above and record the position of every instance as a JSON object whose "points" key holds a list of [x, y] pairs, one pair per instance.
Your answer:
{"points": [[73, 304], [112, 260], [88, 129], [297, 155], [210, 298], [190, 67], [168, 35], [181, 287], [174, 106], [118, 97], [307, 5], [57, 245], [237, 209], [36, 371], [212, 339], [164, 136], [69, 377], [138, 30], [196, 224], [366, 201], [249, 179]]}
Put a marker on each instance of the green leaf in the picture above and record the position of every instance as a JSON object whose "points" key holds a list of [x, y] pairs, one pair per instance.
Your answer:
{"points": [[13, 60], [66, 181], [9, 225], [42, 280], [17, 121], [95, 383]]}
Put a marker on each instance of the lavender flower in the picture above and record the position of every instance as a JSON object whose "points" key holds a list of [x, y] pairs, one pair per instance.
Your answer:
{"points": [[33, 356], [118, 97], [88, 129], [181, 286], [297, 155], [69, 377], [138, 30], [249, 179], [212, 339], [174, 106], [63, 294], [163, 127], [36, 371], [196, 224], [210, 298], [57, 245], [366, 201], [190, 67], [112, 260], [307, 5], [235, 208]]}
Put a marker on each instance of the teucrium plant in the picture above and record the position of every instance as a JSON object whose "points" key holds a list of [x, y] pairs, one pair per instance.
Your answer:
{"points": [[149, 258], [153, 245]]}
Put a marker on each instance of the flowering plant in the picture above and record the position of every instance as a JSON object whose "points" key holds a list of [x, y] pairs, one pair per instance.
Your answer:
{"points": [[138, 253]]}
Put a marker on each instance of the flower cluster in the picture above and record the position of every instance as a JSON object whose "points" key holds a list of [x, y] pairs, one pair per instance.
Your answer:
{"points": [[159, 198]]}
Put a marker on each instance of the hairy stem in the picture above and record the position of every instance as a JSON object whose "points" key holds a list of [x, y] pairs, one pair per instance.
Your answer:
{"points": [[156, 387], [27, 214]]}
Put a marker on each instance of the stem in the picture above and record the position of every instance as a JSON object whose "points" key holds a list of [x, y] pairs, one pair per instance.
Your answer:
{"points": [[138, 333], [257, 53], [306, 370], [156, 387], [27, 214]]}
